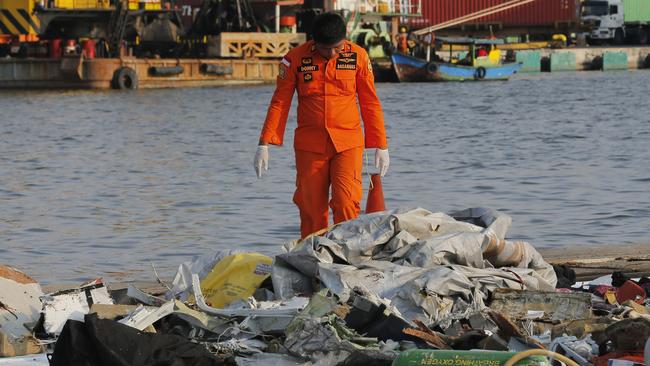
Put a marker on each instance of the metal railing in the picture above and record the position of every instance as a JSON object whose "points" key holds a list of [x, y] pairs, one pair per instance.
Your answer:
{"points": [[82, 4]]}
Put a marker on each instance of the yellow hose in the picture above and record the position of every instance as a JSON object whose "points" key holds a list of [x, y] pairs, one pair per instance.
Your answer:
{"points": [[539, 352]]}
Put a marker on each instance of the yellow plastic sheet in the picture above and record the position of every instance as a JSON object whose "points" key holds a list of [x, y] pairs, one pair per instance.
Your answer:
{"points": [[235, 277]]}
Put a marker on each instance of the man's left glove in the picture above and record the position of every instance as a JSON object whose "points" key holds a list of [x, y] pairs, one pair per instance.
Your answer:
{"points": [[382, 161]]}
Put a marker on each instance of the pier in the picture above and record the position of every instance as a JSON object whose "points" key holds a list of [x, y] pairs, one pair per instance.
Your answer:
{"points": [[582, 59]]}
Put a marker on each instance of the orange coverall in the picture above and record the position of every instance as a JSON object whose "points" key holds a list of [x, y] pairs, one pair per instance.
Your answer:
{"points": [[329, 140]]}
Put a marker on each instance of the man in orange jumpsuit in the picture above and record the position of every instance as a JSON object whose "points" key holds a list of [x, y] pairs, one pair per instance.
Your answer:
{"points": [[330, 74]]}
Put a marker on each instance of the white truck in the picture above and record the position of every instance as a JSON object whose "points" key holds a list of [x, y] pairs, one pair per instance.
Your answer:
{"points": [[617, 21]]}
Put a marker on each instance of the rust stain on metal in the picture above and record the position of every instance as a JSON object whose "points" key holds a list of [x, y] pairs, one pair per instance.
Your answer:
{"points": [[423, 332], [432, 339], [509, 328], [15, 275]]}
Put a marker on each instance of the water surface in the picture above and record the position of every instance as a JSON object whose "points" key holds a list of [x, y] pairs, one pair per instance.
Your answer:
{"points": [[104, 183]]}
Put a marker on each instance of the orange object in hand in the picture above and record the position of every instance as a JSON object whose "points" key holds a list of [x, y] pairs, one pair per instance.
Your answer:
{"points": [[375, 202]]}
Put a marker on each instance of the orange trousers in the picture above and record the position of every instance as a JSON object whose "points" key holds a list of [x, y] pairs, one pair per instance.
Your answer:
{"points": [[315, 173]]}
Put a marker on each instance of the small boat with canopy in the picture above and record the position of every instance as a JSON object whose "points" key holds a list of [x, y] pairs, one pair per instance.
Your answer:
{"points": [[481, 61]]}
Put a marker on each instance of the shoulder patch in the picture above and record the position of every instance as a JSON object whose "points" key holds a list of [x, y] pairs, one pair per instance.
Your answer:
{"points": [[369, 66], [346, 61], [282, 71]]}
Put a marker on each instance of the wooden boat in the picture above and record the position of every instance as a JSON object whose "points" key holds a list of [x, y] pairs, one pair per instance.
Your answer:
{"points": [[482, 62]]}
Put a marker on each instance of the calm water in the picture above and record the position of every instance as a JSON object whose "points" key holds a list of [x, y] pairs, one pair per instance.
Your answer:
{"points": [[106, 183]]}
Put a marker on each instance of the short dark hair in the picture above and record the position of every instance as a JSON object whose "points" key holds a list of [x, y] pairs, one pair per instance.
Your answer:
{"points": [[328, 28]]}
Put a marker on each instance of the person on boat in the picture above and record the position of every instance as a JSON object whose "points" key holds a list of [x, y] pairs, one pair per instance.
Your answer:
{"points": [[467, 60], [330, 75], [481, 52], [402, 40]]}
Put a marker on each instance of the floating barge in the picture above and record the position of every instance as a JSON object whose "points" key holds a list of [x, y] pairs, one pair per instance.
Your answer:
{"points": [[233, 59], [132, 73]]}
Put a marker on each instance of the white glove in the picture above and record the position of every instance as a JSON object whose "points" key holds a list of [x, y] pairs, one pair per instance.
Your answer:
{"points": [[261, 159], [382, 161]]}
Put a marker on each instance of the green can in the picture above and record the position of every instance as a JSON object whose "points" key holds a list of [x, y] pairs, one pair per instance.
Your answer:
{"points": [[426, 357]]}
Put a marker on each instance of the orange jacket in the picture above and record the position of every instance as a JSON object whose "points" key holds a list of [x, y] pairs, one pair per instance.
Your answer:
{"points": [[327, 100]]}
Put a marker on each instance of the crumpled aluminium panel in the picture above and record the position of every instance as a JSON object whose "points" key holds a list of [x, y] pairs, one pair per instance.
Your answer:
{"points": [[430, 266]]}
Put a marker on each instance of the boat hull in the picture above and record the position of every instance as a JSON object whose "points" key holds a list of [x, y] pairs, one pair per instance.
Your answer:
{"points": [[412, 69]]}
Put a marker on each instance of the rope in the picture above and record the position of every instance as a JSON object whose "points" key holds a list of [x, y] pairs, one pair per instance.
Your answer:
{"points": [[365, 154], [543, 352]]}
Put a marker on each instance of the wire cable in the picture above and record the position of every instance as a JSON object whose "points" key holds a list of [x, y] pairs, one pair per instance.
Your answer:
{"points": [[539, 352]]}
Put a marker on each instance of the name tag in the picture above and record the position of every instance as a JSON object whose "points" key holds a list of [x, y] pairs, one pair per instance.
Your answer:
{"points": [[310, 68]]}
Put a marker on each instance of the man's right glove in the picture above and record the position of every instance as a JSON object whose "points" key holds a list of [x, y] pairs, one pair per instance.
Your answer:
{"points": [[382, 161], [261, 159]]}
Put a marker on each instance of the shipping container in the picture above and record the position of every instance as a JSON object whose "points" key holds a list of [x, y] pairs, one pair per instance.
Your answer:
{"points": [[636, 11], [549, 14]]}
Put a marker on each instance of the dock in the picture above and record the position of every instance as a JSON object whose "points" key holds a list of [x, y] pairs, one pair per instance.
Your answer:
{"points": [[584, 59]]}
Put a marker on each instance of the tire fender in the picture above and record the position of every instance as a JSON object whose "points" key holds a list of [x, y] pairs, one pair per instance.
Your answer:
{"points": [[125, 78], [479, 74], [431, 67]]}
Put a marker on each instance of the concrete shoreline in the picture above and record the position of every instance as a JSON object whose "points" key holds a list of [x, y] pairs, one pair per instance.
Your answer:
{"points": [[593, 261]]}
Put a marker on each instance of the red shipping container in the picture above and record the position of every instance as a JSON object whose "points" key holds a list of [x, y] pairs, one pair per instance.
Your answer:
{"points": [[536, 13]]}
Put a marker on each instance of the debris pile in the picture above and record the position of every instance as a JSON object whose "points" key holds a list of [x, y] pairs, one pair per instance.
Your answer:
{"points": [[399, 287]]}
